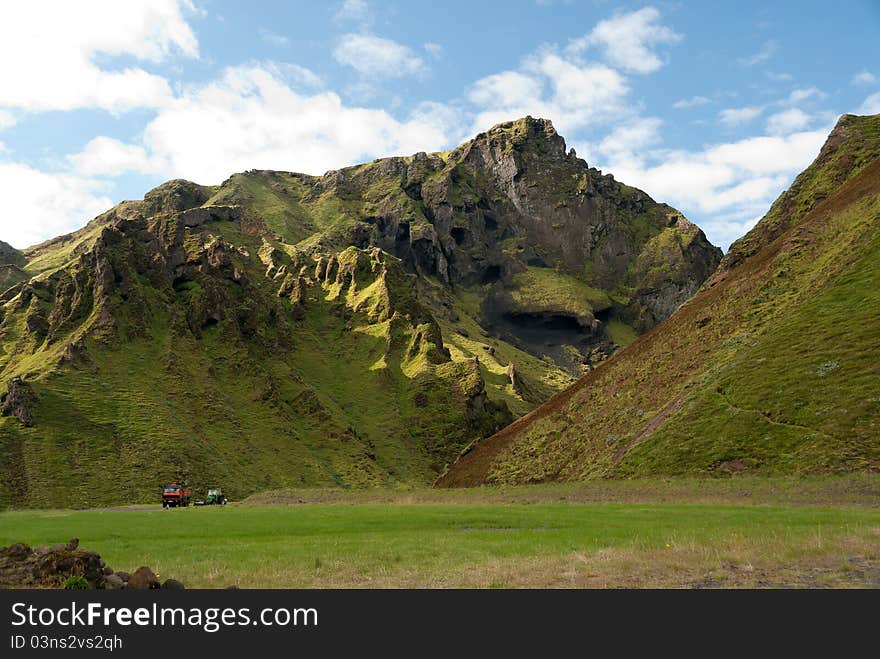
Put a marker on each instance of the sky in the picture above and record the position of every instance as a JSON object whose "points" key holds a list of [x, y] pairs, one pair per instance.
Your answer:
{"points": [[713, 108]]}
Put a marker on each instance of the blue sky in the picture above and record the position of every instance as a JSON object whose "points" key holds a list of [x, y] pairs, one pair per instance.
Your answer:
{"points": [[711, 107]]}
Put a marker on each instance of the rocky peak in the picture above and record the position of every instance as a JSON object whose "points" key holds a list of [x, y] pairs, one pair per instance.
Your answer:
{"points": [[523, 134], [175, 196]]}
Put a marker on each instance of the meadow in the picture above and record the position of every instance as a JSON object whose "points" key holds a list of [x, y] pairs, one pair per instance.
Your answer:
{"points": [[732, 533]]}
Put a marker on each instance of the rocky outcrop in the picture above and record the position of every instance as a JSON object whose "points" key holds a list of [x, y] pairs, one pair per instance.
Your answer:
{"points": [[514, 198], [18, 401], [194, 217], [520, 385], [668, 271], [175, 196], [509, 198], [143, 579], [68, 566]]}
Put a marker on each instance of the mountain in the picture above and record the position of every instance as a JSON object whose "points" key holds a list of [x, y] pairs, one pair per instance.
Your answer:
{"points": [[11, 263], [773, 367], [354, 329]]}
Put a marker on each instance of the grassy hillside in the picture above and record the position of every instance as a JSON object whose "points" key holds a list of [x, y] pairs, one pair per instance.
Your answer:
{"points": [[352, 330], [772, 368], [342, 380]]}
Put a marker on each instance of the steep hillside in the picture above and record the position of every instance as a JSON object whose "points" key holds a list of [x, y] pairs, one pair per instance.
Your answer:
{"points": [[772, 368], [359, 328]]}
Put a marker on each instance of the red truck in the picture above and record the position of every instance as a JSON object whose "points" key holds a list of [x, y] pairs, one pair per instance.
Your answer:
{"points": [[174, 495]]}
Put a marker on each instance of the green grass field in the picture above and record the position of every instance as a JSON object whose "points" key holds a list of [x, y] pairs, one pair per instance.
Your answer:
{"points": [[547, 539]]}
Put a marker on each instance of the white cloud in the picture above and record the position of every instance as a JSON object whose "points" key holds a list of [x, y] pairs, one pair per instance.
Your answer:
{"points": [[377, 57], [435, 50], [631, 137], [110, 157], [628, 40], [357, 11], [864, 77], [293, 74], [801, 95], [725, 187], [693, 101], [446, 123], [49, 52], [737, 116], [769, 155], [779, 77], [6, 119], [274, 39], [586, 88], [871, 105], [506, 89], [39, 205], [788, 121], [766, 52], [251, 118], [571, 92]]}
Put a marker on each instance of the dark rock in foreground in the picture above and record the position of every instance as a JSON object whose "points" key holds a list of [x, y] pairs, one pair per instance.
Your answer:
{"points": [[60, 565]]}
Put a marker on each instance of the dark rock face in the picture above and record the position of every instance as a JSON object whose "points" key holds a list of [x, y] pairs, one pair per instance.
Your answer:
{"points": [[512, 199], [668, 272], [194, 217], [18, 400], [517, 183]]}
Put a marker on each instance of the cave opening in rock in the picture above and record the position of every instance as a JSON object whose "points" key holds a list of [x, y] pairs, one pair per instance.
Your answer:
{"points": [[491, 274], [557, 335], [556, 323], [459, 234]]}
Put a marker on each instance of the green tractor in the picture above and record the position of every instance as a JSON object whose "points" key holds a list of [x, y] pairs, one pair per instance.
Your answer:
{"points": [[215, 498]]}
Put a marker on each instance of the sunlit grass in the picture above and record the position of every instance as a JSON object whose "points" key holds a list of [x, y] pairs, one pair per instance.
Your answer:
{"points": [[472, 544]]}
